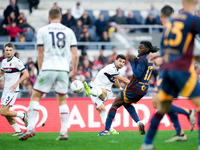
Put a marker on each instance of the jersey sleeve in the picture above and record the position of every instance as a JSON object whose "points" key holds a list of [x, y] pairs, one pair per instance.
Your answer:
{"points": [[40, 41], [19, 65], [138, 67], [73, 41], [112, 71]]}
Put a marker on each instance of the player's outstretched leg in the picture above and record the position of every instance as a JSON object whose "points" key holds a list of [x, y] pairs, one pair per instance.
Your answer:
{"points": [[26, 135], [62, 137], [87, 89], [189, 113]]}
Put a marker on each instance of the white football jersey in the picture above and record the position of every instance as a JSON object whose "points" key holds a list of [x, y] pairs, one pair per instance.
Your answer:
{"points": [[105, 77], [12, 70], [57, 40]]}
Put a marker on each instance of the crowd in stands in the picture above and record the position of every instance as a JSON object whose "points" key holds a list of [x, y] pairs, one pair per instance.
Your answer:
{"points": [[87, 70], [86, 29], [14, 24]]}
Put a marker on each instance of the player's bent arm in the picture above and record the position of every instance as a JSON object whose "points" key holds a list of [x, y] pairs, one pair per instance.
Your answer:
{"points": [[22, 78], [122, 79], [117, 83], [158, 61], [40, 56], [75, 59], [153, 56], [1, 73], [137, 69]]}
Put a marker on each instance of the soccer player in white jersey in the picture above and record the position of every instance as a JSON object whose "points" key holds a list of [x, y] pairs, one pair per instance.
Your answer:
{"points": [[11, 69], [57, 44], [101, 87]]}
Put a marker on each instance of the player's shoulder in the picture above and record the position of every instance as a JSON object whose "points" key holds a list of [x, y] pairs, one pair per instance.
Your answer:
{"points": [[142, 58], [5, 59], [111, 68], [15, 59]]}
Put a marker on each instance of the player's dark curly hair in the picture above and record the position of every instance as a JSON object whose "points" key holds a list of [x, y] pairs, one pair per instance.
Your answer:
{"points": [[152, 49]]}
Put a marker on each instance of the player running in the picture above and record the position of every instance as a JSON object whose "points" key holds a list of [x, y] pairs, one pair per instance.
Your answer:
{"points": [[179, 75], [136, 89], [166, 12], [55, 43], [101, 87], [11, 69]]}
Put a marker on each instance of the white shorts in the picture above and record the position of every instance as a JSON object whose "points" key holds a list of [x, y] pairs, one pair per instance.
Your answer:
{"points": [[46, 79], [97, 101], [8, 98]]}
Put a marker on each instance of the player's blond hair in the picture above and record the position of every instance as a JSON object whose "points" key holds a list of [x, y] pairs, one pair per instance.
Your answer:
{"points": [[190, 1], [9, 45], [54, 13]]}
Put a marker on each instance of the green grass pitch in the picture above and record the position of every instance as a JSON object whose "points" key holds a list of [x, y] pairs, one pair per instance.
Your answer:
{"points": [[127, 140]]}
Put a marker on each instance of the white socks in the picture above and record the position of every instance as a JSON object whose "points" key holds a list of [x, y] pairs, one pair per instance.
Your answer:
{"points": [[33, 112], [96, 91], [64, 113], [20, 114], [16, 127], [103, 115]]}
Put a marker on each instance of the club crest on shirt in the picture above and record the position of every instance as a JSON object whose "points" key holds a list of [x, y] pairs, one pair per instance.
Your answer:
{"points": [[10, 64]]}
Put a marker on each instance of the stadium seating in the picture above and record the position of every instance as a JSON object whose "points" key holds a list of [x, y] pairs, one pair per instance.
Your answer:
{"points": [[91, 15], [3, 39], [138, 16], [106, 14]]}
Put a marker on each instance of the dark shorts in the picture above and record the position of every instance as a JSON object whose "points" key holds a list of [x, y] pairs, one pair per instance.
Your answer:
{"points": [[175, 82], [130, 97]]}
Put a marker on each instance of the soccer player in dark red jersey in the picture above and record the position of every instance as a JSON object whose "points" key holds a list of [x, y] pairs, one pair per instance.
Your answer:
{"points": [[136, 89], [179, 75]]}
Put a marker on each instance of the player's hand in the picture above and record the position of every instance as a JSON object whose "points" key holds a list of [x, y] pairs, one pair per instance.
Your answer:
{"points": [[72, 73], [158, 61], [13, 88], [132, 57], [153, 56]]}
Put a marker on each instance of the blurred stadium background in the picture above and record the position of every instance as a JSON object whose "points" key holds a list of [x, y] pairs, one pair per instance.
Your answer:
{"points": [[120, 37]]}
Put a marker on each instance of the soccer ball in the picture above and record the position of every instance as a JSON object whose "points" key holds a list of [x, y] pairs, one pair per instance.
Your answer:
{"points": [[77, 86]]}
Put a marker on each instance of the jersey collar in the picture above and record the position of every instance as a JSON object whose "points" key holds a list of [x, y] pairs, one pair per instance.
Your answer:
{"points": [[10, 59]]}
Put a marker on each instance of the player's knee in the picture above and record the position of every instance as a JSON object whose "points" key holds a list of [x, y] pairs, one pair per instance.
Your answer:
{"points": [[3, 113], [101, 108]]}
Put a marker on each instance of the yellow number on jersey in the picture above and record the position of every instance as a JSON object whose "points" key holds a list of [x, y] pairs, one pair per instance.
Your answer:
{"points": [[176, 29]]}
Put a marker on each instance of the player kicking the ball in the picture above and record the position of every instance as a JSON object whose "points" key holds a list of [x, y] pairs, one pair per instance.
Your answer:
{"points": [[136, 89], [101, 87]]}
